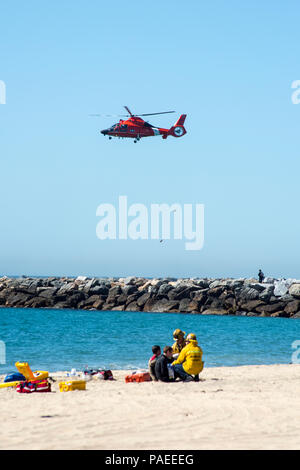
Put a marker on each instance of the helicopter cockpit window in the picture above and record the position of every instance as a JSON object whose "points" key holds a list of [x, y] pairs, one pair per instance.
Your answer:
{"points": [[112, 128], [123, 127]]}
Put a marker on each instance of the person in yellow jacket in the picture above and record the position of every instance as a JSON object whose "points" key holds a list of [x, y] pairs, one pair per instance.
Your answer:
{"points": [[189, 363], [180, 343]]}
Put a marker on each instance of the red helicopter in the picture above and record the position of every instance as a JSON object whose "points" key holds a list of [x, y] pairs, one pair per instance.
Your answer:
{"points": [[136, 128]]}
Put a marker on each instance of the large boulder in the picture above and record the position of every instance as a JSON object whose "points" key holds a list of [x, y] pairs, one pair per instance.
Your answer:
{"points": [[180, 292], [215, 292], [143, 299], [250, 305], [164, 289], [100, 289], [113, 293], [122, 299], [162, 305], [199, 296], [214, 303], [267, 293], [36, 302], [4, 295], [256, 285], [129, 289], [90, 301], [294, 290], [292, 307], [119, 308], [248, 293], [89, 285], [229, 302], [188, 305], [129, 280], [201, 283], [46, 292], [270, 308], [194, 306], [75, 298], [81, 279], [184, 304], [229, 283], [67, 288], [215, 311], [281, 287], [132, 307], [17, 299], [145, 286], [29, 286]]}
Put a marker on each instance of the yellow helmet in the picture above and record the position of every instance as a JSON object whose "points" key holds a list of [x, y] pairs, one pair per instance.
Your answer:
{"points": [[178, 333], [191, 337]]}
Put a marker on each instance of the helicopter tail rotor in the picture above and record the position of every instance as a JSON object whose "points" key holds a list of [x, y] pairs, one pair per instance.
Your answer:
{"points": [[178, 129]]}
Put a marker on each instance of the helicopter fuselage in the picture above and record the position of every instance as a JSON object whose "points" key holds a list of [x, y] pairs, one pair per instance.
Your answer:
{"points": [[136, 128]]}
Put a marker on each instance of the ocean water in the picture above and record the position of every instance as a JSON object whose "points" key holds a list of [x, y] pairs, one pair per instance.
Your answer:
{"points": [[63, 339]]}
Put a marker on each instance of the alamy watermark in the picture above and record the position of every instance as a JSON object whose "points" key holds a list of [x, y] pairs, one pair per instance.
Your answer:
{"points": [[2, 92], [296, 354], [158, 222], [2, 352], [296, 93]]}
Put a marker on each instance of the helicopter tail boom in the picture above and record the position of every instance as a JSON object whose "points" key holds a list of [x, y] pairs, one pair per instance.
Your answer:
{"points": [[177, 130]]}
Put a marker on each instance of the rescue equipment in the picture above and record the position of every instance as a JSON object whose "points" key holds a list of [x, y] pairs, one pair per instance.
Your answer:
{"points": [[34, 386], [24, 368], [70, 385], [138, 377], [25, 374]]}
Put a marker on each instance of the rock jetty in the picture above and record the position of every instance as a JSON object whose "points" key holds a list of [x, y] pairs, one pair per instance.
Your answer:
{"points": [[272, 298]]}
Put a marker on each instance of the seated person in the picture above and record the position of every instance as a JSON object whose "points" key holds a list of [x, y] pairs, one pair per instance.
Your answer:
{"points": [[161, 367], [189, 362], [179, 344], [152, 361]]}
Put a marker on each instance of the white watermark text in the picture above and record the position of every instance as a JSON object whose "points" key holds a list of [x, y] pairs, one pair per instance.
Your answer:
{"points": [[2, 92], [296, 353], [2, 352], [296, 93], [160, 221]]}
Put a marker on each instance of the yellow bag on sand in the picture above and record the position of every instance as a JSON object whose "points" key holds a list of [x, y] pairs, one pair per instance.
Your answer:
{"points": [[70, 385]]}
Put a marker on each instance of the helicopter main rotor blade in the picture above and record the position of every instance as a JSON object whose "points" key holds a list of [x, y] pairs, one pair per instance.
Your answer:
{"points": [[128, 110], [106, 115], [153, 114], [130, 114]]}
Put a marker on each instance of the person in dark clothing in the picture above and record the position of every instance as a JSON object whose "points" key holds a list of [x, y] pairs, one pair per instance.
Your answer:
{"points": [[152, 361], [161, 365], [261, 276]]}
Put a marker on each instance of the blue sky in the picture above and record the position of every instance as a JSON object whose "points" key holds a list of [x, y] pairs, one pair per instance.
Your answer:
{"points": [[228, 65]]}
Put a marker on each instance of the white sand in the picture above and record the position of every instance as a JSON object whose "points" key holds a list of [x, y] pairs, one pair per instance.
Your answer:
{"points": [[251, 407]]}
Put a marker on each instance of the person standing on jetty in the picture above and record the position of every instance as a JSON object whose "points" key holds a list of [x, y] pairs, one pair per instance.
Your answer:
{"points": [[261, 276], [189, 362], [180, 342]]}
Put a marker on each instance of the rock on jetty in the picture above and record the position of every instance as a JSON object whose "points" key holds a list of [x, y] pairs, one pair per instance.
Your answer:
{"points": [[272, 298]]}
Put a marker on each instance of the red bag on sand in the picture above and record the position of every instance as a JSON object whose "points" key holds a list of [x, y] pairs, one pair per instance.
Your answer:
{"points": [[138, 377], [34, 386]]}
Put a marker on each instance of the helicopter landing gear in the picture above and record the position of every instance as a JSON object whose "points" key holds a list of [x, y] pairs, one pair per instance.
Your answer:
{"points": [[110, 137]]}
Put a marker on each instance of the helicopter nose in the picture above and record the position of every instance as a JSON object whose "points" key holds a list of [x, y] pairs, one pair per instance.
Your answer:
{"points": [[104, 132]]}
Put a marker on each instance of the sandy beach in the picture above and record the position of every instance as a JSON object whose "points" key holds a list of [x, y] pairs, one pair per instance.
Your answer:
{"points": [[249, 407]]}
